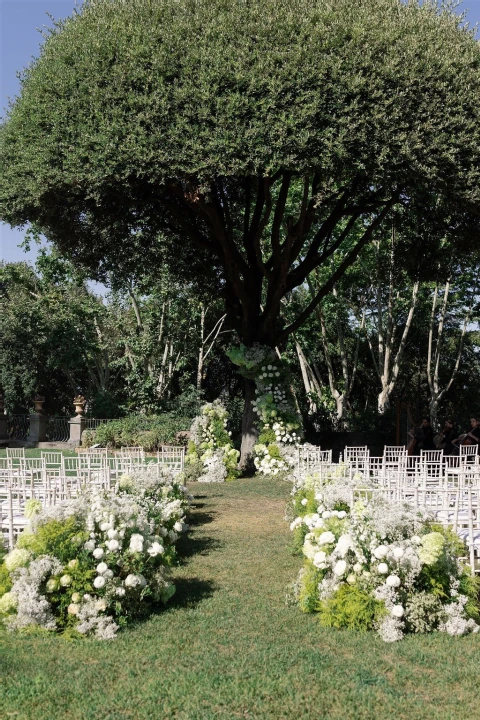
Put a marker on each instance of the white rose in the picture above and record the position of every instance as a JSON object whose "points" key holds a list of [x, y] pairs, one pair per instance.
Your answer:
{"points": [[101, 567], [163, 532], [112, 545], [108, 574], [89, 545], [155, 549], [340, 568], [326, 514], [305, 501], [382, 568], [104, 526], [398, 611], [357, 568], [99, 582], [344, 544], [398, 553], [341, 514], [136, 543], [351, 579], [98, 553], [393, 581], [380, 552], [112, 534], [178, 526], [130, 581], [326, 538], [72, 609], [120, 591], [319, 559]]}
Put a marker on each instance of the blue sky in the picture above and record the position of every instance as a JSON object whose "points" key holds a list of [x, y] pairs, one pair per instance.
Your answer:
{"points": [[20, 41]]}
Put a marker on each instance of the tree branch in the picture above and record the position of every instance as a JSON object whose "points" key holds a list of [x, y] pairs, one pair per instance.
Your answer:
{"points": [[344, 265]]}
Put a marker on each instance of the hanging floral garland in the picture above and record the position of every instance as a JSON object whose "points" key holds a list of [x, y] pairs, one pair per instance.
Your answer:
{"points": [[211, 456], [278, 422]]}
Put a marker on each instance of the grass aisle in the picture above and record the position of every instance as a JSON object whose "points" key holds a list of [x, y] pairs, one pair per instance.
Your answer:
{"points": [[228, 646]]}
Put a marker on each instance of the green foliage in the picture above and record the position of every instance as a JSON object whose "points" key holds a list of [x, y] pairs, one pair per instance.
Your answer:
{"points": [[435, 578], [423, 612], [266, 436], [62, 539], [5, 582], [300, 508], [308, 591], [48, 328], [299, 538], [470, 586], [149, 432], [350, 607]]}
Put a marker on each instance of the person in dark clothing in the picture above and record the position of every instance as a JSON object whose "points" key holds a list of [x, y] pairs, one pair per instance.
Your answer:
{"points": [[472, 436], [448, 435], [426, 442], [424, 437]]}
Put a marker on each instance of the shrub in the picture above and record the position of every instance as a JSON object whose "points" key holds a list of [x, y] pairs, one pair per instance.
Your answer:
{"points": [[351, 607], [147, 431]]}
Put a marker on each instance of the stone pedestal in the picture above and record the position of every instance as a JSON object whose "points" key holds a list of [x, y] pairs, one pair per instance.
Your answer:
{"points": [[38, 428], [3, 430], [77, 426]]}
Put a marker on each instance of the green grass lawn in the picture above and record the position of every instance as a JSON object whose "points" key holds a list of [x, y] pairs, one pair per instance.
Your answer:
{"points": [[229, 647]]}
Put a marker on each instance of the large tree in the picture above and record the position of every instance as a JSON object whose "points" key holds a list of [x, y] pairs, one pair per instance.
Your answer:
{"points": [[245, 140]]}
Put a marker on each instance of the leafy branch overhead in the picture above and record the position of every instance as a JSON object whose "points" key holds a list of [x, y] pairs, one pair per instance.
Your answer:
{"points": [[246, 143]]}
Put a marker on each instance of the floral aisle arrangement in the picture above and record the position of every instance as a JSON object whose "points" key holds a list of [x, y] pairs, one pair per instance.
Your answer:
{"points": [[90, 565], [278, 422], [379, 565], [211, 456]]}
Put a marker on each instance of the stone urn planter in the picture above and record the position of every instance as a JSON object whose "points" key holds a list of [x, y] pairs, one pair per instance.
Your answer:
{"points": [[79, 403], [38, 401]]}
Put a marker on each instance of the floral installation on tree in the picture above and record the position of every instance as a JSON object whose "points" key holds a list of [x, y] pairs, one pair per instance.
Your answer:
{"points": [[210, 455], [374, 564], [278, 423], [91, 565]]}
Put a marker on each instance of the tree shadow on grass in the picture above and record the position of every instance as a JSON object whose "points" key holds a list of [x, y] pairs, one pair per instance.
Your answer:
{"points": [[201, 518], [189, 546], [190, 592]]}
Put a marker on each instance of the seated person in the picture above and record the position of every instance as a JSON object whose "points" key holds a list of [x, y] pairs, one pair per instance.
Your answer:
{"points": [[448, 435], [472, 436], [423, 436]]}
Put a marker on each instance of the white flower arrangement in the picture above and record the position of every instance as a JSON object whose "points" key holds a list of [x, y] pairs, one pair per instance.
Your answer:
{"points": [[388, 552], [122, 544], [210, 445]]}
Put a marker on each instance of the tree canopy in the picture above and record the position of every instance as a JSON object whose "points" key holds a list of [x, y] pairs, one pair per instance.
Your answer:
{"points": [[245, 140]]}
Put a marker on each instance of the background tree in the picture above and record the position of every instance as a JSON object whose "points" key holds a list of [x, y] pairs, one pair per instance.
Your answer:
{"points": [[245, 141], [48, 334]]}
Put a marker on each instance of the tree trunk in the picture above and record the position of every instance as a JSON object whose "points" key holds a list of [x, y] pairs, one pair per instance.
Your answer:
{"points": [[433, 409], [249, 428], [383, 401]]}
